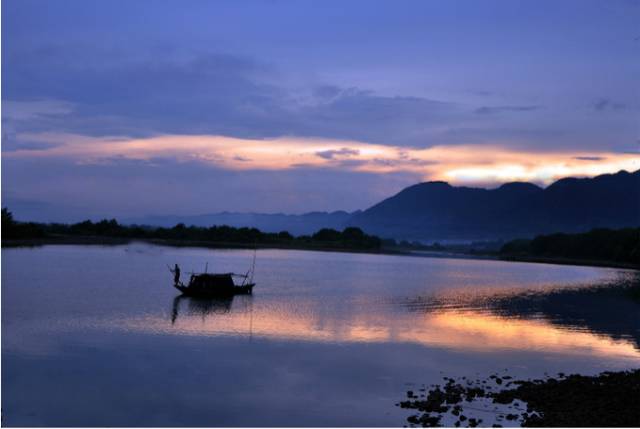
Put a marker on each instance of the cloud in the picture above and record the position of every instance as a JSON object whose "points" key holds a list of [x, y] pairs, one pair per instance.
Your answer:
{"points": [[104, 92], [83, 176], [12, 145], [119, 94], [605, 104], [332, 153], [208, 93], [590, 158], [458, 163], [488, 110], [29, 110], [17, 114], [327, 92]]}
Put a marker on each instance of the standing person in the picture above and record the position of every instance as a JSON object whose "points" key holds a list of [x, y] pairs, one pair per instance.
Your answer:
{"points": [[176, 274]]}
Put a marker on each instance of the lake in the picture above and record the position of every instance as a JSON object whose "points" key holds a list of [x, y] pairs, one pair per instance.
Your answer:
{"points": [[96, 336]]}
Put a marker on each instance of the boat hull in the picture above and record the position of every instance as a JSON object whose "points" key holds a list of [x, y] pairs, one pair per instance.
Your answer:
{"points": [[215, 292]]}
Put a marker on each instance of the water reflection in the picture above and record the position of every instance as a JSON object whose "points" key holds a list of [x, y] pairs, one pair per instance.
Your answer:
{"points": [[611, 309], [608, 311], [201, 306], [342, 332], [595, 321]]}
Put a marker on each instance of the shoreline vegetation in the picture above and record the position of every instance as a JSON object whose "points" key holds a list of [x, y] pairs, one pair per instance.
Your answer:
{"points": [[16, 233], [610, 399], [606, 247], [599, 247]]}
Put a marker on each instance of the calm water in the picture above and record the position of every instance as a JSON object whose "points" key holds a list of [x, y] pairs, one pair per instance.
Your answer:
{"points": [[95, 335]]}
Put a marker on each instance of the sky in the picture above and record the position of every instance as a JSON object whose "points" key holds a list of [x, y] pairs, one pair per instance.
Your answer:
{"points": [[120, 109]]}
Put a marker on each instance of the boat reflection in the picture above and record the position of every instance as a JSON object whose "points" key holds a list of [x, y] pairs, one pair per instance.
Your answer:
{"points": [[204, 306]]}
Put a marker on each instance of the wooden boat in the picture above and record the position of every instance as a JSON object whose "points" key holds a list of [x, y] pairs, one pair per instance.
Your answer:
{"points": [[215, 285]]}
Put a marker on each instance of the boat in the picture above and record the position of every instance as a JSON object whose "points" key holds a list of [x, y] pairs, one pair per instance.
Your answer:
{"points": [[215, 285]]}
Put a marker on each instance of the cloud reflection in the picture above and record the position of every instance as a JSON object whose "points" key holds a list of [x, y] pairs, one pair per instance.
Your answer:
{"points": [[459, 329]]}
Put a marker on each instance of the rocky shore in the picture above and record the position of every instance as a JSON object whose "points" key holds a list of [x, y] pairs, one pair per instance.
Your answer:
{"points": [[610, 399]]}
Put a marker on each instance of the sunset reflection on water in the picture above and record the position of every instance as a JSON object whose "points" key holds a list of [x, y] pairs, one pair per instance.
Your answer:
{"points": [[462, 329], [346, 332]]}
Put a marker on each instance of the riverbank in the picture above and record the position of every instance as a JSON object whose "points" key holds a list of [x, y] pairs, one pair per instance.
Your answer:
{"points": [[445, 253], [569, 261], [610, 399], [114, 241]]}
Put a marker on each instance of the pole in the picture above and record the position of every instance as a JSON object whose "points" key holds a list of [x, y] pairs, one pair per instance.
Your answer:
{"points": [[253, 264]]}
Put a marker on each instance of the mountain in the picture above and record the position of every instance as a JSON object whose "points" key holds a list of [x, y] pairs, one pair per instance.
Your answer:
{"points": [[439, 211], [303, 224]]}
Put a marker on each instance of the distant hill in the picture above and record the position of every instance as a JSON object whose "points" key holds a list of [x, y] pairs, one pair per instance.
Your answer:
{"points": [[439, 211], [303, 224]]}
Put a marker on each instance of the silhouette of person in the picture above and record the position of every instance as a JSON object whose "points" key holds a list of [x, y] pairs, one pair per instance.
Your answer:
{"points": [[176, 274]]}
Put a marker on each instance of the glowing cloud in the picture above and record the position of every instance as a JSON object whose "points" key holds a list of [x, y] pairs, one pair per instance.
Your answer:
{"points": [[461, 164]]}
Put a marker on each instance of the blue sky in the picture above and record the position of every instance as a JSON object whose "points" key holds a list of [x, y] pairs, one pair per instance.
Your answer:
{"points": [[119, 108]]}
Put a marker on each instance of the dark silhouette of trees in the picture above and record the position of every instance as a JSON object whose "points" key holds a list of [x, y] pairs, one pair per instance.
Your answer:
{"points": [[350, 238], [617, 245], [7, 219], [327, 234], [12, 229]]}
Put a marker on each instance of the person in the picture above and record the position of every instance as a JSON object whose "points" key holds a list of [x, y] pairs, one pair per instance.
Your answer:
{"points": [[176, 274]]}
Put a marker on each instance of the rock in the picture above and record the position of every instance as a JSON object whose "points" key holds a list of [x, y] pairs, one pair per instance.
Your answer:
{"points": [[474, 422], [610, 399], [428, 420]]}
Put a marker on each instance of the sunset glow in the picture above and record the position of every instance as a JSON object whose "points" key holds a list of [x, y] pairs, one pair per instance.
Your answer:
{"points": [[458, 164], [320, 213]]}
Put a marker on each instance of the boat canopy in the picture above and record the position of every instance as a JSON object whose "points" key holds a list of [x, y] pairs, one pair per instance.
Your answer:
{"points": [[212, 280]]}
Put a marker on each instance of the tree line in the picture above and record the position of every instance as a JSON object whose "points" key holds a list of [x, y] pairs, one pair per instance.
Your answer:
{"points": [[616, 245], [349, 238]]}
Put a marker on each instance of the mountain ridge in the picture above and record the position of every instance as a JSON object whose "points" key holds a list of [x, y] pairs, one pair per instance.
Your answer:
{"points": [[438, 210]]}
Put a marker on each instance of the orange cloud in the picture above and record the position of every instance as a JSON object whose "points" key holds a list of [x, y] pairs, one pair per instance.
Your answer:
{"points": [[454, 163]]}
